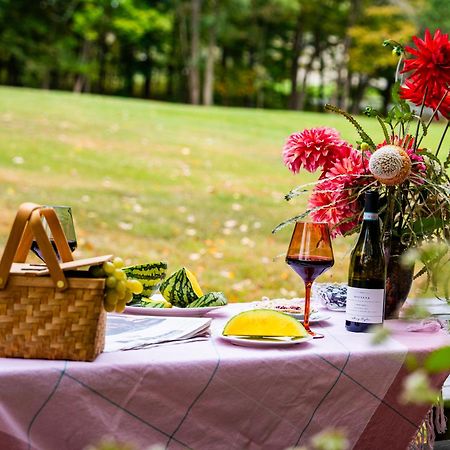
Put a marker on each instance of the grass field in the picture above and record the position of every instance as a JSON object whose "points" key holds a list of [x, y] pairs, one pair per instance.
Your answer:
{"points": [[194, 186]]}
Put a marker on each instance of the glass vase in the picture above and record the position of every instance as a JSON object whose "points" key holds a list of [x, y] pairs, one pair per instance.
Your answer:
{"points": [[399, 278]]}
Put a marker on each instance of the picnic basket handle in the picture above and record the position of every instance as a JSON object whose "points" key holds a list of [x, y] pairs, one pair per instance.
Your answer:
{"points": [[58, 238], [27, 224]]}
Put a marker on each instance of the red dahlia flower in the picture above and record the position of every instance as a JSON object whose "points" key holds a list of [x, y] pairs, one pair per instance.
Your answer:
{"points": [[430, 64], [415, 94], [313, 148], [429, 71]]}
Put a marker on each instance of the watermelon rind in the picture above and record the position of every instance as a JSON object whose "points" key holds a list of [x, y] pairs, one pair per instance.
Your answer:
{"points": [[149, 303], [150, 275], [208, 300], [181, 288]]}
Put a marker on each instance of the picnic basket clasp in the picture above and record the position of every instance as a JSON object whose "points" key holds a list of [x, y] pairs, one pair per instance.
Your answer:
{"points": [[26, 226]]}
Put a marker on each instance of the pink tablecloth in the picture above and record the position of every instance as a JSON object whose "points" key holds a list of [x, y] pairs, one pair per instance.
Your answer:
{"points": [[214, 395]]}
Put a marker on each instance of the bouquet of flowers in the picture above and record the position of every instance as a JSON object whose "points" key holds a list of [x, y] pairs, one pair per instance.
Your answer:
{"points": [[412, 180]]}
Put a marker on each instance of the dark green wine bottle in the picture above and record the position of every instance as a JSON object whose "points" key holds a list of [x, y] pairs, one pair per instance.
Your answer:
{"points": [[366, 275]]}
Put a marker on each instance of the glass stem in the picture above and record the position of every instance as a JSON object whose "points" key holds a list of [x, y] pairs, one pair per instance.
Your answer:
{"points": [[308, 285]]}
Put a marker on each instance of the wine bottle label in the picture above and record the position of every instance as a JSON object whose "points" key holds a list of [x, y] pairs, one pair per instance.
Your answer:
{"points": [[370, 216], [364, 305]]}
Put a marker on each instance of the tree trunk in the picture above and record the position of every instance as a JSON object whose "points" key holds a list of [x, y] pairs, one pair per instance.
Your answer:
{"points": [[45, 84], [260, 61], [148, 72], [358, 94], [340, 82], [183, 40], [81, 81], [194, 72], [13, 71], [302, 93], [297, 46], [175, 50], [321, 93], [87, 86], [208, 86], [345, 88], [102, 65], [386, 93], [127, 61], [223, 76]]}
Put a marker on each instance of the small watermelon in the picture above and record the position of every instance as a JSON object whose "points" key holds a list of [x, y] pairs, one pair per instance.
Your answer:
{"points": [[209, 299], [264, 322], [181, 288], [150, 275]]}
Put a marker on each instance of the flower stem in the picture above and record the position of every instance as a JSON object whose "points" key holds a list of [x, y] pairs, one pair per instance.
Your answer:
{"points": [[387, 226], [397, 70], [422, 106], [442, 137], [433, 115]]}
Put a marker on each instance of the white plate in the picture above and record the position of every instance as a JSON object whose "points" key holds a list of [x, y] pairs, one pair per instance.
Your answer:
{"points": [[313, 318], [265, 342], [173, 312]]}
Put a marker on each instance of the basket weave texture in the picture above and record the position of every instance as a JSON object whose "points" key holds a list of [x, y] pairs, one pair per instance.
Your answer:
{"points": [[39, 319]]}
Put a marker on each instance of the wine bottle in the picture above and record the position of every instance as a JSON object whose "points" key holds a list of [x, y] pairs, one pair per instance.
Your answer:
{"points": [[367, 274]]}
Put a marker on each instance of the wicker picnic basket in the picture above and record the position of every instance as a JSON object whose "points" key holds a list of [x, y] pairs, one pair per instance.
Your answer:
{"points": [[48, 310]]}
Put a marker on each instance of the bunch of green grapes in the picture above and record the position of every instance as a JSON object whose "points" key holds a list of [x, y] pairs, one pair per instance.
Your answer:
{"points": [[119, 289]]}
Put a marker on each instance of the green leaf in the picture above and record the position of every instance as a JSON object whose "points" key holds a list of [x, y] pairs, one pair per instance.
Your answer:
{"points": [[295, 193], [431, 156], [385, 131], [447, 161], [427, 225], [421, 272], [292, 220], [395, 93], [438, 361], [364, 136]]}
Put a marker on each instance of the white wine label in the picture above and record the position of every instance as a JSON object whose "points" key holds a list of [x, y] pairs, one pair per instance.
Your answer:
{"points": [[370, 216], [364, 305]]}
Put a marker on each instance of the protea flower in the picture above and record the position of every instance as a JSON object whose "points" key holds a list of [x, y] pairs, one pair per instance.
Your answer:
{"points": [[390, 165]]}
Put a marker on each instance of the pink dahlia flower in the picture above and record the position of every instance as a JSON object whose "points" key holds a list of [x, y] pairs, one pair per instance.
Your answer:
{"points": [[334, 207], [348, 169], [334, 195], [313, 148]]}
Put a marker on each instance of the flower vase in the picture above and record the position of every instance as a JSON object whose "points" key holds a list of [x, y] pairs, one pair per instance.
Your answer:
{"points": [[399, 278]]}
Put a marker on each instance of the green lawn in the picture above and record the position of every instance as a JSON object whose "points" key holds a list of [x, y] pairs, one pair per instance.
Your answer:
{"points": [[193, 186]]}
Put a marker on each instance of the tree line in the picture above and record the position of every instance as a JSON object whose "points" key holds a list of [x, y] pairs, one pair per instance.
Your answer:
{"points": [[296, 54]]}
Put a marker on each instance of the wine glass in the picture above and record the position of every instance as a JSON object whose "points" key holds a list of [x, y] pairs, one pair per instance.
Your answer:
{"points": [[64, 214], [309, 255]]}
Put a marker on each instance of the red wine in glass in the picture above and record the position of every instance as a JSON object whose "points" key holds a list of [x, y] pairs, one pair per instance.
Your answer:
{"points": [[309, 269], [35, 248], [309, 255], [64, 214]]}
